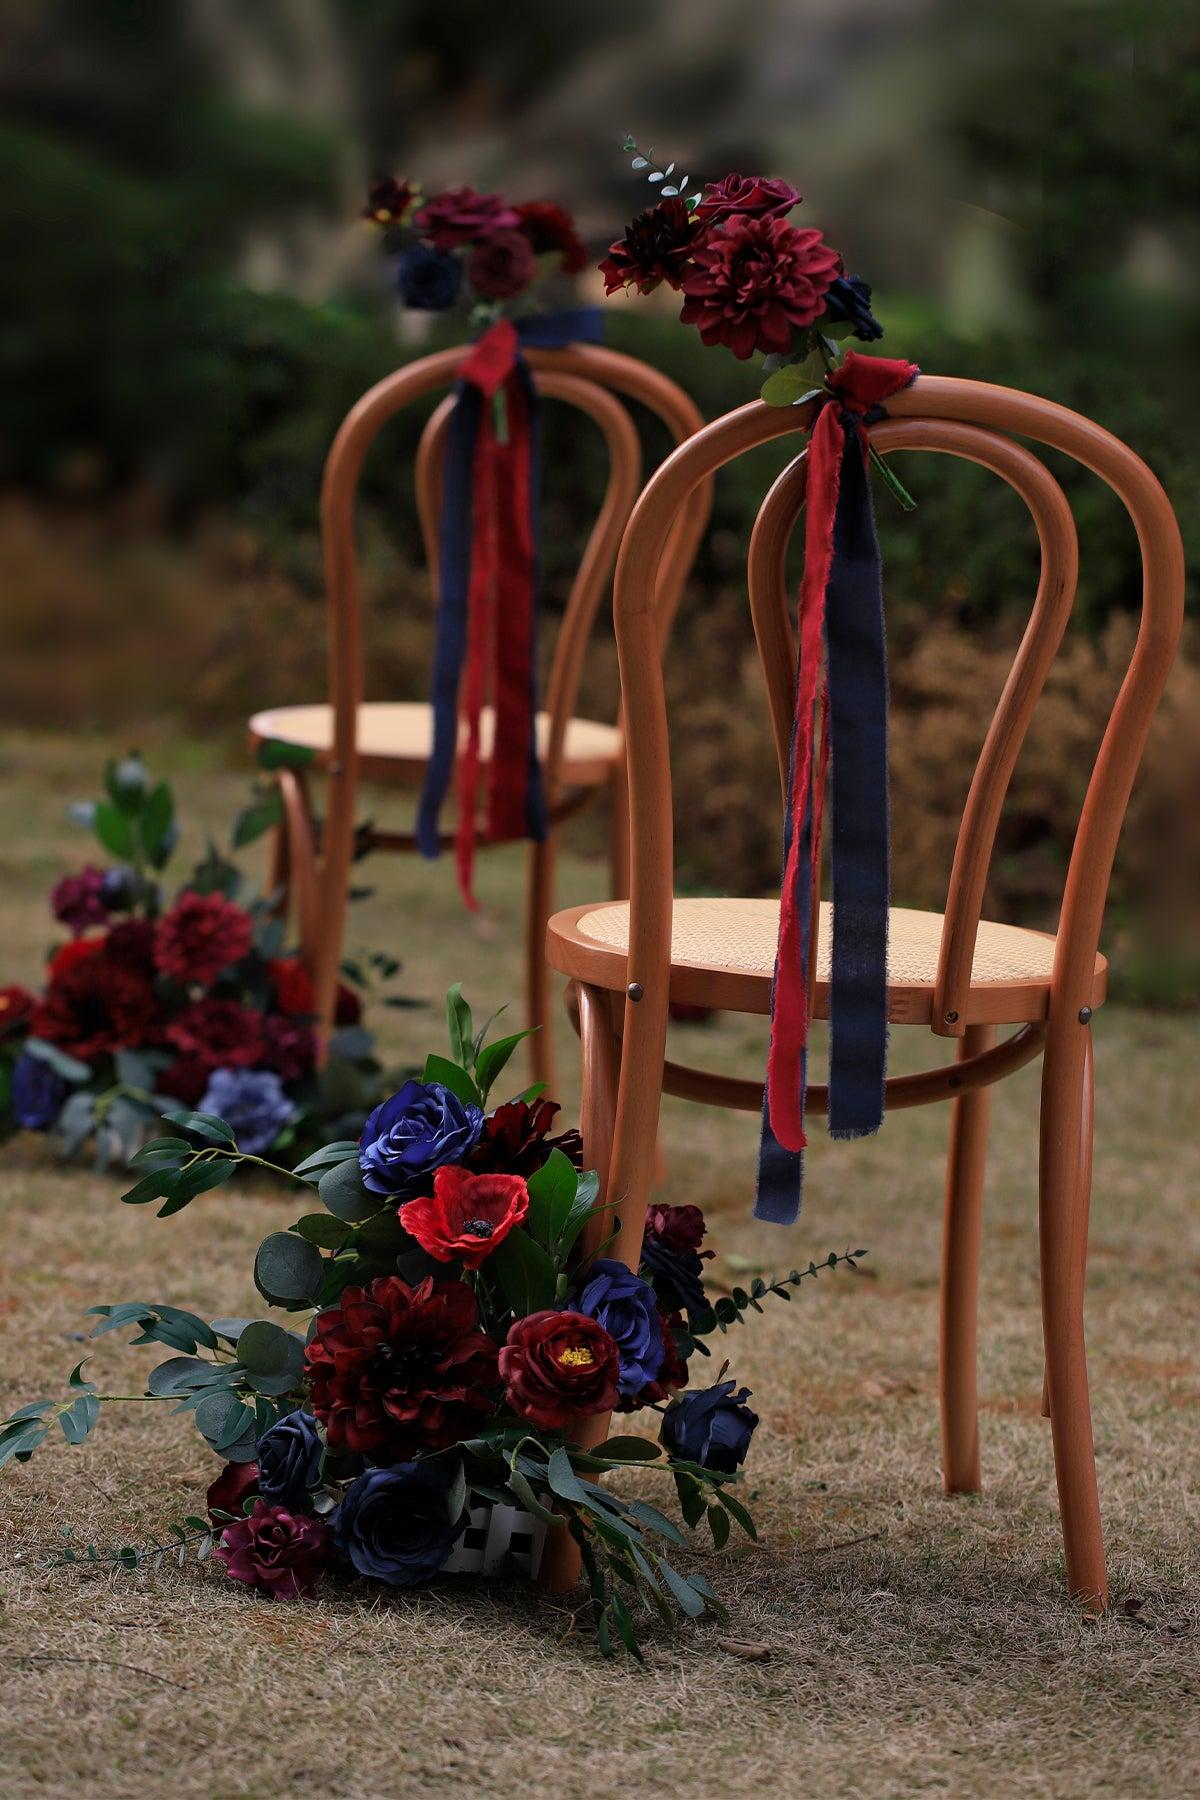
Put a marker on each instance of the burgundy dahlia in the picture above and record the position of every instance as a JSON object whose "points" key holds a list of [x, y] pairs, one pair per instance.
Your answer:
{"points": [[95, 1006], [280, 1552], [656, 247], [78, 900], [201, 935], [516, 1140], [390, 201], [753, 196], [461, 216], [222, 1034], [396, 1369], [549, 227], [288, 1046], [502, 266], [756, 282]]}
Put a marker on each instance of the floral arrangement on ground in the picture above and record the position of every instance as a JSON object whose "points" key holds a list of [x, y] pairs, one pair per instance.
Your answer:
{"points": [[461, 1334], [193, 1001]]}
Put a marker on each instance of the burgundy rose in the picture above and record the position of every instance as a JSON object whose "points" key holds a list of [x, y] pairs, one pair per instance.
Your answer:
{"points": [[201, 935], [280, 1552], [656, 247], [288, 1046], [672, 1375], [467, 1216], [396, 1369], [679, 1228], [502, 266], [235, 1484], [516, 1140], [549, 227], [755, 196], [223, 1034], [184, 1080], [557, 1366], [16, 1007], [461, 216], [94, 1006], [78, 900], [390, 201], [757, 282]]}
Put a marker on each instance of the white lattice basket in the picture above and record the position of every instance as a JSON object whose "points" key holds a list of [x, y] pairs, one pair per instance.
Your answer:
{"points": [[499, 1540]]}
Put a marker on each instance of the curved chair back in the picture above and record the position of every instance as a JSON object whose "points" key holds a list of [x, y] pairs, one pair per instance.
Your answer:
{"points": [[586, 377], [962, 418]]}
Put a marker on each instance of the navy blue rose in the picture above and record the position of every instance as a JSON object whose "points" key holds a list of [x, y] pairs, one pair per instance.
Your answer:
{"points": [[252, 1103], [848, 302], [428, 279], [417, 1131], [395, 1526], [627, 1308], [676, 1277], [289, 1461], [712, 1426], [37, 1093]]}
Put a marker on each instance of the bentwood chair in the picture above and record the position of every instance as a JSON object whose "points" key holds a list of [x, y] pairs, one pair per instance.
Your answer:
{"points": [[391, 741], [953, 973]]}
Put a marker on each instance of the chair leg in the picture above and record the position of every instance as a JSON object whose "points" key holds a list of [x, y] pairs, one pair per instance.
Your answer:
{"points": [[1085, 1180], [294, 854], [539, 903], [959, 1303], [1065, 1127], [601, 1062], [326, 931]]}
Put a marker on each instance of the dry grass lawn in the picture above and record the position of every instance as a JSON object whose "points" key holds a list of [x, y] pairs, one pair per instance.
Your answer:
{"points": [[909, 1644]]}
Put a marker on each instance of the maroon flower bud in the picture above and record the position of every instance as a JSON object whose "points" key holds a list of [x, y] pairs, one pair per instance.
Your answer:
{"points": [[390, 201]]}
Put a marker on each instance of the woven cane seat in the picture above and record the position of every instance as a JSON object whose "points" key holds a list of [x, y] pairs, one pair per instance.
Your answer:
{"points": [[723, 954], [395, 738]]}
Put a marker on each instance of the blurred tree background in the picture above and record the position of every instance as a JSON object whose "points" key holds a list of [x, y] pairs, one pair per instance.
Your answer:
{"points": [[188, 304]]}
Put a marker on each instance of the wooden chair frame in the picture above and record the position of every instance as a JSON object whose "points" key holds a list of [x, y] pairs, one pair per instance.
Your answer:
{"points": [[316, 879], [624, 1036]]}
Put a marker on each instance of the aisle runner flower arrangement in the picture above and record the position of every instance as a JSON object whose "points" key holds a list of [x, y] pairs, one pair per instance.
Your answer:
{"points": [[193, 1000], [448, 1343]]}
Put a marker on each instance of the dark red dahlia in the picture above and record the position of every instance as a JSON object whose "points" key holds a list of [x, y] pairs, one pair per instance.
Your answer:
{"points": [[657, 246], [16, 1007], [94, 1006], [223, 1034], [396, 1369], [756, 282], [673, 1374], [278, 1551], [753, 196], [184, 1080], [201, 935], [502, 266], [461, 216], [288, 1046], [390, 201], [549, 227], [516, 1139]]}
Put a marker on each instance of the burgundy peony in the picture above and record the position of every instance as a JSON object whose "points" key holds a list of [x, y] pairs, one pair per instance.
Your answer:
{"points": [[280, 1552], [390, 201], [396, 1369], [502, 266], [236, 1483], [516, 1141], [548, 228], [288, 1046], [461, 216], [77, 901], [467, 1216], [222, 1034], [755, 283], [754, 196], [557, 1366], [679, 1228], [672, 1375], [201, 935], [94, 1006], [656, 247], [16, 1007]]}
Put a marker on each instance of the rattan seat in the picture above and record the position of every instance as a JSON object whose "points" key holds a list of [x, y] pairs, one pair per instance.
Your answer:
{"points": [[726, 947]]}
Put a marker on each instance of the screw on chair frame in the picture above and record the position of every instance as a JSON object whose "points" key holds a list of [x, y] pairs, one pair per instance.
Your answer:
{"points": [[971, 420], [588, 378]]}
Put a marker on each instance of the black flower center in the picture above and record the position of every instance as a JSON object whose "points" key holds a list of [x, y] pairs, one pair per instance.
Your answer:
{"points": [[395, 1364], [480, 1228]]}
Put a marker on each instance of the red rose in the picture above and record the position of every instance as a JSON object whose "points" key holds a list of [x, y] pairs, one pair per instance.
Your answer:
{"points": [[396, 1369], [235, 1483], [201, 935], [558, 1366], [515, 1139], [16, 1005], [756, 282], [754, 196], [680, 1228], [549, 227], [69, 956], [389, 201], [185, 1080], [279, 1551], [461, 216], [502, 266], [672, 1376], [223, 1034], [655, 247], [294, 992], [94, 1006], [466, 1216], [288, 1046]]}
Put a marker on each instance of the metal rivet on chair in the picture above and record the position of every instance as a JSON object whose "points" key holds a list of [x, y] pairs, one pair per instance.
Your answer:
{"points": [[952, 1018], [635, 990], [1085, 1013]]}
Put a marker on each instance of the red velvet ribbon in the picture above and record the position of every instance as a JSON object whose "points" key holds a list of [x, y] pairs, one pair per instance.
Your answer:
{"points": [[859, 385]]}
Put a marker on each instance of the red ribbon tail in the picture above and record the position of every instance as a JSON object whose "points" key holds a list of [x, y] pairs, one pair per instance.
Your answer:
{"points": [[480, 609], [512, 687]]}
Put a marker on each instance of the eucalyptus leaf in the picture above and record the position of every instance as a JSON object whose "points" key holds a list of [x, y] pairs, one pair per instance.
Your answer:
{"points": [[342, 1193], [288, 1270]]}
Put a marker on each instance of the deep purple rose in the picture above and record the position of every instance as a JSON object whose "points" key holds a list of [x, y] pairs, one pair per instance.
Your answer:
{"points": [[627, 1308], [712, 1426], [428, 279], [78, 900], [37, 1093], [289, 1460], [252, 1103], [280, 1552], [848, 302], [415, 1132], [395, 1526]]}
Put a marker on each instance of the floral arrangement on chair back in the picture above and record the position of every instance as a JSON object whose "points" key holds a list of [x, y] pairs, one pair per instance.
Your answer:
{"points": [[452, 1340], [192, 1001]]}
